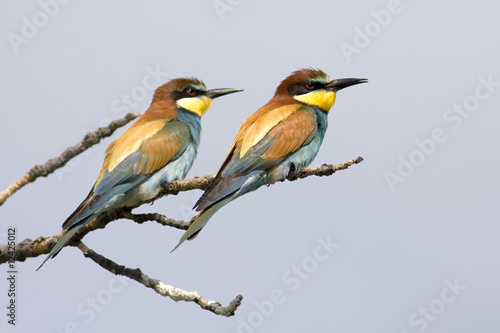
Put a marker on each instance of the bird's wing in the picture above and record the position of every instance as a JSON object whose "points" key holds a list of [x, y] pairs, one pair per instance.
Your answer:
{"points": [[270, 139], [261, 146], [147, 149], [130, 160]]}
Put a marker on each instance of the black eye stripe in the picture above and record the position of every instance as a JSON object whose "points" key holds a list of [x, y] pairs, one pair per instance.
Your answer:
{"points": [[177, 95], [301, 88]]}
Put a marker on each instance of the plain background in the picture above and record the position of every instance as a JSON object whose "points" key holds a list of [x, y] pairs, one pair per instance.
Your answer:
{"points": [[397, 246]]}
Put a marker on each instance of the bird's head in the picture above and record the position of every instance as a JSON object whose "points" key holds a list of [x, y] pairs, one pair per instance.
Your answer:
{"points": [[190, 94], [314, 87]]}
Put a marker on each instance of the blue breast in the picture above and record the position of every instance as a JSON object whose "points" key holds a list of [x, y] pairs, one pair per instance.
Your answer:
{"points": [[306, 154], [193, 121]]}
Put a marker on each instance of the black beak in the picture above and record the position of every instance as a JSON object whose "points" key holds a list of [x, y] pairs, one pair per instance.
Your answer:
{"points": [[336, 85], [214, 93]]}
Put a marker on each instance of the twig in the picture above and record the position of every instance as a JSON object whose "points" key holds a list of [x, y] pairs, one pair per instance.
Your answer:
{"points": [[325, 169], [159, 287], [42, 245], [53, 164], [162, 219]]}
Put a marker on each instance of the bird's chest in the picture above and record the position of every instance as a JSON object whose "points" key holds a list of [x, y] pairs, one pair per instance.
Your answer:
{"points": [[171, 172], [177, 168], [303, 156], [306, 154]]}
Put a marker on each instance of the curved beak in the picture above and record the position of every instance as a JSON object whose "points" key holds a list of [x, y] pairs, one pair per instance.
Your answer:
{"points": [[336, 85], [214, 93]]}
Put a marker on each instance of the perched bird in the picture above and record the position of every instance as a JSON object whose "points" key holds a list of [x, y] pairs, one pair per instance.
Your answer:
{"points": [[158, 148], [278, 140]]}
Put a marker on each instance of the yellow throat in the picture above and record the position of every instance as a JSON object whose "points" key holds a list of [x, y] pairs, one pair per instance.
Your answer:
{"points": [[198, 105], [321, 98]]}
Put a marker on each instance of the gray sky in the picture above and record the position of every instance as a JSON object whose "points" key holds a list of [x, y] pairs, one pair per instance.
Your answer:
{"points": [[413, 231]]}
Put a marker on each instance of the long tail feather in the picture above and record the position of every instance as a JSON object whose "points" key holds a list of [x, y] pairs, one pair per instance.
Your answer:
{"points": [[200, 222], [65, 238]]}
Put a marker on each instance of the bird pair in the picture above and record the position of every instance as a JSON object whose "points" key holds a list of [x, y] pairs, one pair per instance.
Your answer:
{"points": [[279, 139]]}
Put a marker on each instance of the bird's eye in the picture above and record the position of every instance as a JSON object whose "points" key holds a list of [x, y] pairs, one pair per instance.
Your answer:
{"points": [[310, 85], [190, 91]]}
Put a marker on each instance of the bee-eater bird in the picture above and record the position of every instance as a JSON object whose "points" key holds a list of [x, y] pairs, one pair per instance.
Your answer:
{"points": [[158, 148], [278, 140]]}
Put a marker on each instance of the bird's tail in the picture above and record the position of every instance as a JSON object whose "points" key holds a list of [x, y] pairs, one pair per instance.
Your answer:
{"points": [[65, 238], [202, 219]]}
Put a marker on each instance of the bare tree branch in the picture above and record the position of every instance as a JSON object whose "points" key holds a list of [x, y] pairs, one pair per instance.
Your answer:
{"points": [[55, 163], [159, 287], [42, 245], [202, 183]]}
